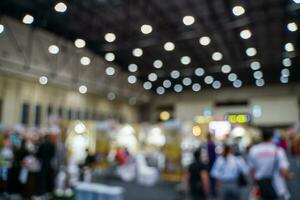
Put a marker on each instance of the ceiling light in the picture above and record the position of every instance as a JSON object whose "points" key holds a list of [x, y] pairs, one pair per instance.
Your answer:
{"points": [[216, 85], [178, 88], [131, 79], [208, 79], [232, 77], [217, 56], [285, 72], [110, 37], [1, 28], [204, 41], [258, 75], [160, 90], [175, 74], [152, 77], [82, 89], [245, 34], [260, 82], [137, 52], [167, 83], [43, 80], [289, 47], [188, 20], [255, 65], [238, 10], [237, 83], [60, 7], [251, 51], [85, 60], [110, 71], [169, 46], [226, 69], [287, 62], [147, 85], [109, 57], [28, 19], [146, 29], [296, 1], [158, 64], [187, 81], [79, 43], [199, 71], [292, 26], [132, 67], [111, 96], [185, 60], [196, 87], [284, 79], [53, 49]]}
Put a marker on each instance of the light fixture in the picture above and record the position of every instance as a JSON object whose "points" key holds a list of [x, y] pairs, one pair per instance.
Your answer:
{"points": [[1, 28], [285, 72], [79, 43], [175, 74], [199, 71], [208, 79], [82, 89], [185, 60], [237, 83], [60, 7], [169, 46], [28, 19], [226, 69], [111, 96], [197, 131], [260, 82], [187, 81], [255, 65], [178, 88], [152, 77], [85, 60], [238, 10], [109, 57], [216, 85], [287, 62], [167, 83], [258, 75], [131, 79], [188, 20], [137, 52], [146, 29], [292, 26], [80, 128], [217, 56], [160, 90], [196, 87], [158, 64], [164, 115], [110, 37], [132, 67], [147, 85], [205, 40], [289, 47], [251, 51], [110, 71], [296, 1], [53, 49], [232, 77], [284, 79], [43, 80], [245, 34]]}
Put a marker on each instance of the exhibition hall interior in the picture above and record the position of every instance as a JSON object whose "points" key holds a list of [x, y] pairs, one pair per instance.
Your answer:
{"points": [[149, 99]]}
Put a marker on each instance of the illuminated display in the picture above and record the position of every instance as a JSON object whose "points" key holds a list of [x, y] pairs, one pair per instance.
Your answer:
{"points": [[238, 118]]}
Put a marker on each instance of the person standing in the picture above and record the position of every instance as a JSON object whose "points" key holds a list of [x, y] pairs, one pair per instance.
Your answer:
{"points": [[197, 179], [212, 156], [228, 169], [269, 168]]}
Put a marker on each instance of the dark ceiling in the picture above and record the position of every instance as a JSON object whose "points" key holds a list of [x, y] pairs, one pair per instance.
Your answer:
{"points": [[91, 19]]}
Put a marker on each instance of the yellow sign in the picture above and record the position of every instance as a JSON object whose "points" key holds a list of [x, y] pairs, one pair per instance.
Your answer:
{"points": [[238, 118]]}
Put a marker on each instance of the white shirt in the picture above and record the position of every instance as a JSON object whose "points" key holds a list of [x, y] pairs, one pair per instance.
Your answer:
{"points": [[267, 160], [228, 169]]}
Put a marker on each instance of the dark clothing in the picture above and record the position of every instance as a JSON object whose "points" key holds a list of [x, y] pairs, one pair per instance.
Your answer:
{"points": [[195, 182], [212, 156], [89, 160]]}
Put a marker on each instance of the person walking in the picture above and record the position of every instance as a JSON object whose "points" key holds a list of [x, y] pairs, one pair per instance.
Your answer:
{"points": [[269, 168], [212, 156], [197, 179], [230, 172]]}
